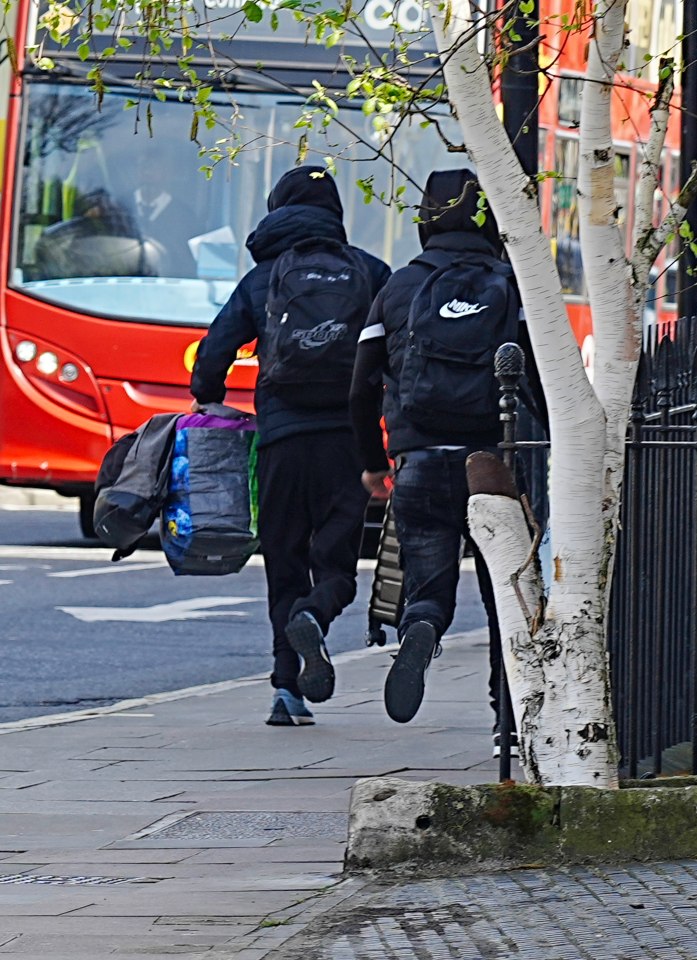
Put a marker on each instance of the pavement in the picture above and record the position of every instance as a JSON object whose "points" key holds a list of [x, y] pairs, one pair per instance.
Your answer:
{"points": [[180, 825]]}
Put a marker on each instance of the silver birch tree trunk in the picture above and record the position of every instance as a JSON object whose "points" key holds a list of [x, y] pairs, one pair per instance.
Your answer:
{"points": [[558, 669]]}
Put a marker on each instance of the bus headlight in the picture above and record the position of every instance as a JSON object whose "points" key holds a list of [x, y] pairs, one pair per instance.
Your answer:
{"points": [[47, 363], [57, 374], [25, 351], [69, 373]]}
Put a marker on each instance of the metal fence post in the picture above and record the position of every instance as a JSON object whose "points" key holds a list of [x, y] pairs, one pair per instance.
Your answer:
{"points": [[509, 366], [634, 527], [663, 391]]}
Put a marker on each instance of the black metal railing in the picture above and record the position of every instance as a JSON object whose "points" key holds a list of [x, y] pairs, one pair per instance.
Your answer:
{"points": [[653, 610], [652, 631]]}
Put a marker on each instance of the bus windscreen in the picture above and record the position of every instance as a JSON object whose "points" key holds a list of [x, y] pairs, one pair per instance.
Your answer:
{"points": [[113, 221]]}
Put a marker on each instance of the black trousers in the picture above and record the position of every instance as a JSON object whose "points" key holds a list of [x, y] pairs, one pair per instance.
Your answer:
{"points": [[430, 508], [311, 507]]}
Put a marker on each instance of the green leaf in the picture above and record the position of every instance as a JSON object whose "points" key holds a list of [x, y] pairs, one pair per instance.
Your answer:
{"points": [[253, 11], [527, 6], [479, 218], [83, 51]]}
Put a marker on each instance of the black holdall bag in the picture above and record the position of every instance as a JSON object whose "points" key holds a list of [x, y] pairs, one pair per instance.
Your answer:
{"points": [[319, 296], [131, 485], [460, 316]]}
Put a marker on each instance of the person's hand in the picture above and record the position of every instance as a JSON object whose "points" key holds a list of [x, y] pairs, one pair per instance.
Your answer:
{"points": [[375, 483], [196, 406]]}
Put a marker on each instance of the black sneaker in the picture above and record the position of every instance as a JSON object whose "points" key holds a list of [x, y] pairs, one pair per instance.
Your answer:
{"points": [[316, 677], [404, 687], [515, 750]]}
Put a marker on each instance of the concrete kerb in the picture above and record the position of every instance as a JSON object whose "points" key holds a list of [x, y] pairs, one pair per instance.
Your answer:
{"points": [[508, 825]]}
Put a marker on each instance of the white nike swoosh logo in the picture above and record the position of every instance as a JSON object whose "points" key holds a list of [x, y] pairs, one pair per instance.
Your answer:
{"points": [[467, 311]]}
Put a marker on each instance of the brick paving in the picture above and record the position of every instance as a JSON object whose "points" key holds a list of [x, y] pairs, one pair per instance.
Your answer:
{"points": [[637, 912]]}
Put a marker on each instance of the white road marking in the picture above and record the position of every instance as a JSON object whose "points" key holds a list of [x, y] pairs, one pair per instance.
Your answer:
{"points": [[119, 567], [21, 552], [196, 609], [5, 581]]}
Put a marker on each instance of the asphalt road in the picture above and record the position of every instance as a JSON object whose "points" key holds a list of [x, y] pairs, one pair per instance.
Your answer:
{"points": [[79, 631]]}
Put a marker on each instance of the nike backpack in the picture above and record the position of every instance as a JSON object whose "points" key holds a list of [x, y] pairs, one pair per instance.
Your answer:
{"points": [[319, 296], [460, 316], [208, 522], [132, 484]]}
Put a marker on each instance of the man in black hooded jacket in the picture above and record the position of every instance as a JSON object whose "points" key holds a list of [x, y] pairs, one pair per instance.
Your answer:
{"points": [[311, 501], [430, 484]]}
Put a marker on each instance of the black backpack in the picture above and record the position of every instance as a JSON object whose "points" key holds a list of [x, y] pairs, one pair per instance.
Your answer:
{"points": [[131, 485], [319, 296], [460, 316]]}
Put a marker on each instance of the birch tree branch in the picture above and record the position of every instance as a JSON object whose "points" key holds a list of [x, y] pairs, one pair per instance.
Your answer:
{"points": [[648, 177]]}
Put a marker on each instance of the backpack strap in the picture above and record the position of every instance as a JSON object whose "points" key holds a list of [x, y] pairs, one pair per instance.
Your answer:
{"points": [[322, 243], [438, 259], [435, 259]]}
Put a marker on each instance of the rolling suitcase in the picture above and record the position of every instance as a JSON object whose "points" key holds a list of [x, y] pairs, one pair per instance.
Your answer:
{"points": [[387, 596]]}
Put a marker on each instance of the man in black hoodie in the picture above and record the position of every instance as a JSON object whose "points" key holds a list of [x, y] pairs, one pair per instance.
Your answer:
{"points": [[311, 501], [430, 484]]}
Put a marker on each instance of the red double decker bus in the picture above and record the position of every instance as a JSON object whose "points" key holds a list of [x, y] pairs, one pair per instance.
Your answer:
{"points": [[653, 26], [116, 251]]}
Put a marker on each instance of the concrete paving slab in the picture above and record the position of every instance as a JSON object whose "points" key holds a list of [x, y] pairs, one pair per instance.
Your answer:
{"points": [[241, 897], [97, 945], [66, 855], [242, 904], [274, 854], [103, 790]]}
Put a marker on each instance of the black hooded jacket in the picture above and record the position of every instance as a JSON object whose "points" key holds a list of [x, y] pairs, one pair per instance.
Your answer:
{"points": [[300, 207], [445, 226]]}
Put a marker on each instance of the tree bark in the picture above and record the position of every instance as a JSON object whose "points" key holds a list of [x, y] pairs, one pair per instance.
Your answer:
{"points": [[571, 735]]}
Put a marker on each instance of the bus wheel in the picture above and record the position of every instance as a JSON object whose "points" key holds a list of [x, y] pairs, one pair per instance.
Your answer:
{"points": [[86, 516]]}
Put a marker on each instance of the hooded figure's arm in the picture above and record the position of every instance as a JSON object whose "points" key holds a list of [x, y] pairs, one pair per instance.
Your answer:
{"points": [[366, 392], [233, 327]]}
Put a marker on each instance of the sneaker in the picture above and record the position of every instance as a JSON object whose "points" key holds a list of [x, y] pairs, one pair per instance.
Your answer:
{"points": [[515, 752], [404, 687], [287, 710], [316, 677]]}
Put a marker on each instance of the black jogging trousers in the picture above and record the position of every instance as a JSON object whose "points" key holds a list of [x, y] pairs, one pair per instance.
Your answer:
{"points": [[311, 508]]}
